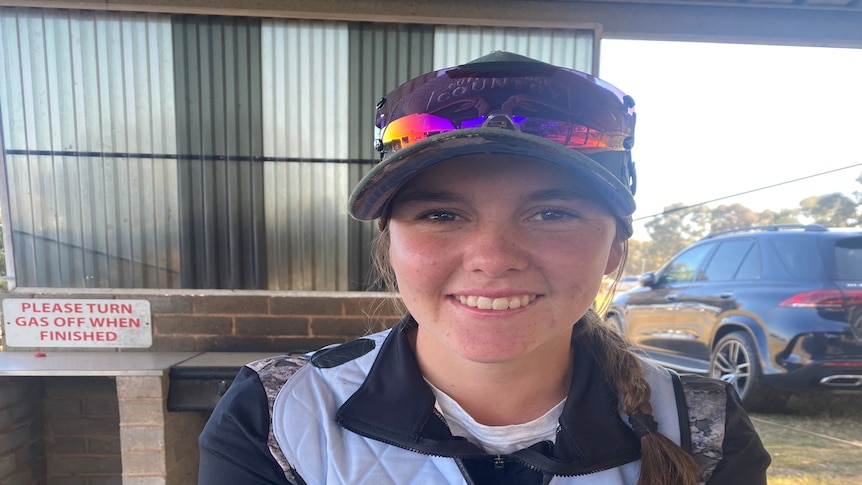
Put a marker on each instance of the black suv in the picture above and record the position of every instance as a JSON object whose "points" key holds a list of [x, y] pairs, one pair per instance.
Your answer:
{"points": [[771, 309]]}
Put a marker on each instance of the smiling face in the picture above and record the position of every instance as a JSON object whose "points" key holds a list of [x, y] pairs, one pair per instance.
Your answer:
{"points": [[497, 257]]}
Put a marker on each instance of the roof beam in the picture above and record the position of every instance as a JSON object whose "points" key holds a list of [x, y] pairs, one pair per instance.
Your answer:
{"points": [[822, 23]]}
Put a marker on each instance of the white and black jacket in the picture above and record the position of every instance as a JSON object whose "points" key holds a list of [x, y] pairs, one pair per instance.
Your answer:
{"points": [[361, 413]]}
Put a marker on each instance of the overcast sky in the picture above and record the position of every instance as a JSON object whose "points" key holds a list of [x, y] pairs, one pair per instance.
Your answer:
{"points": [[720, 119]]}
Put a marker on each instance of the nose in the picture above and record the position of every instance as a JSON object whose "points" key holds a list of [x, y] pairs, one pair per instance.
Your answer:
{"points": [[495, 247]]}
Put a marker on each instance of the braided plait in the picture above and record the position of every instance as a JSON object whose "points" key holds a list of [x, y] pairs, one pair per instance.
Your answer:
{"points": [[663, 462]]}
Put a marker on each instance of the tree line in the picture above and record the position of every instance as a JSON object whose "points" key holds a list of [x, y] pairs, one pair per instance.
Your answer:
{"points": [[679, 226]]}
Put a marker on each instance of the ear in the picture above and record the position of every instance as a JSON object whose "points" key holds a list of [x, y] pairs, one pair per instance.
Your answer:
{"points": [[615, 256]]}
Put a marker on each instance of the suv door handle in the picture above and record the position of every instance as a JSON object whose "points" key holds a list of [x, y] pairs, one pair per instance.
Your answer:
{"points": [[671, 297]]}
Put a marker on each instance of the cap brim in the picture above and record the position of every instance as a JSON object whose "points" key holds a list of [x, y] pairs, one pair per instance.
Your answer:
{"points": [[374, 191]]}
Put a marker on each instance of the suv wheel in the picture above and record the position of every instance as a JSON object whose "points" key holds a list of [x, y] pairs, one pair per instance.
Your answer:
{"points": [[734, 360]]}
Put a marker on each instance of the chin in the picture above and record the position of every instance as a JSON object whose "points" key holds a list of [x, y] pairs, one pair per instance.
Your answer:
{"points": [[486, 353]]}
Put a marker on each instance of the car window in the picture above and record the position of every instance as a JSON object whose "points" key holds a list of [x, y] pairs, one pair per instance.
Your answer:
{"points": [[848, 258], [751, 265], [726, 260], [800, 256], [683, 268]]}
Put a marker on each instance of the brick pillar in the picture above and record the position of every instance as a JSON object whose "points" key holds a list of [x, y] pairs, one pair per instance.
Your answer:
{"points": [[158, 447], [142, 429]]}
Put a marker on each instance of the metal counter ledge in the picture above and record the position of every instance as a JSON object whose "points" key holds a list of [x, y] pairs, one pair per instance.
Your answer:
{"points": [[15, 363]]}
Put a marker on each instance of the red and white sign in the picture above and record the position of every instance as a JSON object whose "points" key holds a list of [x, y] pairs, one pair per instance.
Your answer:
{"points": [[77, 323]]}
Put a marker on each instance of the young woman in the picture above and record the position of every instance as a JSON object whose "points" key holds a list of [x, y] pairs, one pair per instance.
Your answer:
{"points": [[504, 195]]}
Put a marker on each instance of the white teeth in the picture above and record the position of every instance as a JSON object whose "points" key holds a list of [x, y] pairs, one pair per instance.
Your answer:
{"points": [[485, 303], [501, 303]]}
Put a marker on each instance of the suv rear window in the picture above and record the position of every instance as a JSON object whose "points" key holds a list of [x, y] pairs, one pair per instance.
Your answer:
{"points": [[848, 258], [800, 256]]}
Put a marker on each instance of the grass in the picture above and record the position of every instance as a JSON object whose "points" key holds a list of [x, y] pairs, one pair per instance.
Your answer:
{"points": [[816, 441]]}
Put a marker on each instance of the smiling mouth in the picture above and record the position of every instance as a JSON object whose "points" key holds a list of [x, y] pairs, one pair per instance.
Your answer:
{"points": [[485, 303]]}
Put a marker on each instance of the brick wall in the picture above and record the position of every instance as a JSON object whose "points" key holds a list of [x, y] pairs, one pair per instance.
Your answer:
{"points": [[72, 435], [22, 446], [103, 430], [181, 441], [245, 321], [81, 431]]}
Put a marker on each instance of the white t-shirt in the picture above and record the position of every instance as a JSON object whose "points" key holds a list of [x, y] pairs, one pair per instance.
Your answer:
{"points": [[498, 440]]}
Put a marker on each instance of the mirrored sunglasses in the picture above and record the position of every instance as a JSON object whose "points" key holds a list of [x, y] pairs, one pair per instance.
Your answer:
{"points": [[565, 106]]}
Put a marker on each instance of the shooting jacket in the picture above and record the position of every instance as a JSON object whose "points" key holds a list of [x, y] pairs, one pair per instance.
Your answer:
{"points": [[361, 413]]}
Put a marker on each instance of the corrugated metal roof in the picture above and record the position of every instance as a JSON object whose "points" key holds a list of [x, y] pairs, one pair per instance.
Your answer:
{"points": [[855, 5]]}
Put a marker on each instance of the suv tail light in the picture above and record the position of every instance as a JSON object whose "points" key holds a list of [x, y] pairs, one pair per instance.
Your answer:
{"points": [[824, 299]]}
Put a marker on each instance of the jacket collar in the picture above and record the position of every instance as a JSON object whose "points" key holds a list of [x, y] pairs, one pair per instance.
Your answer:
{"points": [[396, 406]]}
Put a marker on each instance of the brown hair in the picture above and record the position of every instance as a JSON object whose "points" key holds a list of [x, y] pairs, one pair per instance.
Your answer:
{"points": [[663, 462]]}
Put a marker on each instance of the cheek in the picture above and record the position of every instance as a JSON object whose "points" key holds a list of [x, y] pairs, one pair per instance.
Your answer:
{"points": [[580, 260], [416, 260]]}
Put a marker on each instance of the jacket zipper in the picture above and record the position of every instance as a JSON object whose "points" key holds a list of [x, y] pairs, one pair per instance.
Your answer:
{"points": [[499, 468], [402, 446], [498, 460]]}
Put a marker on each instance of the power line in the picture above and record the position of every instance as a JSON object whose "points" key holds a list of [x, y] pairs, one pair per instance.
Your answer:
{"points": [[676, 209]]}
